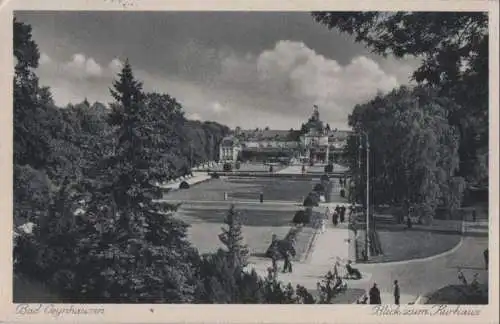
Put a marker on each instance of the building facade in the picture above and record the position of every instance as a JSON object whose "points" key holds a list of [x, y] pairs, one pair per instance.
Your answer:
{"points": [[230, 149]]}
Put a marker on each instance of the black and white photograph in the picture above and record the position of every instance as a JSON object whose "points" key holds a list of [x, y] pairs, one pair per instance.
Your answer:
{"points": [[252, 157]]}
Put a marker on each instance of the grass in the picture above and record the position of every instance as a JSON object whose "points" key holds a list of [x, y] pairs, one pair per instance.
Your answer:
{"points": [[250, 167], [245, 189], [407, 244]]}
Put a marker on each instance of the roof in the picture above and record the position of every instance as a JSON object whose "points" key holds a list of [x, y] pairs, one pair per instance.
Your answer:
{"points": [[230, 141], [260, 135]]}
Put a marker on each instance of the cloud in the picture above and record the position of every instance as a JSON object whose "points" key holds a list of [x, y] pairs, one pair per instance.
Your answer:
{"points": [[115, 66], [218, 108], [276, 87], [291, 77], [82, 67], [81, 76], [44, 59], [194, 116]]}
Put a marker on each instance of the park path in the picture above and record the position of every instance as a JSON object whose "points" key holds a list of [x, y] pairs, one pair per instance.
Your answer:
{"points": [[196, 178], [415, 277]]}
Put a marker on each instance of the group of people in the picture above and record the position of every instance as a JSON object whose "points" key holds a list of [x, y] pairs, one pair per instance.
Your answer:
{"points": [[338, 215], [374, 298], [275, 253]]}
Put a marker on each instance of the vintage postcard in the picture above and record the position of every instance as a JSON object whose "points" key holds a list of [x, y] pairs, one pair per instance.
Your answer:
{"points": [[249, 161]]}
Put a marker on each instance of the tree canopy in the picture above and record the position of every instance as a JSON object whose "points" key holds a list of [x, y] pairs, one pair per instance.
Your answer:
{"points": [[409, 124], [453, 49]]}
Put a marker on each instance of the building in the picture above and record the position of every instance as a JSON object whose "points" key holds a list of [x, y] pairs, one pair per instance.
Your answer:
{"points": [[230, 149], [322, 144], [313, 142]]}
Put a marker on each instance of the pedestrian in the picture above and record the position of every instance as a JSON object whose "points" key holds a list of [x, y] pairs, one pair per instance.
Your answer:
{"points": [[374, 294], [474, 215], [261, 196], [274, 254], [408, 222], [341, 182], [396, 292], [342, 214], [485, 255], [337, 209], [335, 218], [287, 265]]}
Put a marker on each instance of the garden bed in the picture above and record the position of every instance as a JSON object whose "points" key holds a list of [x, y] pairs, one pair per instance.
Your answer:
{"points": [[408, 244]]}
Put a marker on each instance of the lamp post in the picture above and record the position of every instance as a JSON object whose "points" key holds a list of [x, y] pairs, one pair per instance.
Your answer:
{"points": [[367, 235], [367, 241]]}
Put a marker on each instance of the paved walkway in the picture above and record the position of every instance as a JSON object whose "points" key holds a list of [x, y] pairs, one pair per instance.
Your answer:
{"points": [[196, 178], [415, 278], [318, 168]]}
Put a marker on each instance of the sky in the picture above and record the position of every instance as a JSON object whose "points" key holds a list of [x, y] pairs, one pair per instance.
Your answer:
{"points": [[247, 69]]}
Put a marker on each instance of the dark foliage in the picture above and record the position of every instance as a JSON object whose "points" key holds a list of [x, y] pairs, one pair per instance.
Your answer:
{"points": [[319, 188], [227, 167], [301, 217], [453, 47], [312, 200], [184, 185]]}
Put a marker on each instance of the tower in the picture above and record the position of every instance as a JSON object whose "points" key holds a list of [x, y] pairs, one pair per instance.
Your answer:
{"points": [[315, 114]]}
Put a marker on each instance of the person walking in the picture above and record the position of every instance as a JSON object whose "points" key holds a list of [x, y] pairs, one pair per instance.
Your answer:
{"points": [[342, 214], [485, 255], [324, 219], [335, 218], [261, 197], [396, 292], [374, 294], [287, 265]]}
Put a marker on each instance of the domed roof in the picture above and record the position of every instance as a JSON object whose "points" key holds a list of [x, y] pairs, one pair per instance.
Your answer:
{"points": [[229, 141]]}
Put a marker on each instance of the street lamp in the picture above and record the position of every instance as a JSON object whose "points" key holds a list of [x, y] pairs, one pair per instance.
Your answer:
{"points": [[367, 236]]}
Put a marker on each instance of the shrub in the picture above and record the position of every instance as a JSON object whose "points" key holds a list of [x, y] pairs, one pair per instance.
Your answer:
{"points": [[214, 175], [329, 168], [227, 167], [184, 185], [301, 217], [312, 200], [320, 188]]}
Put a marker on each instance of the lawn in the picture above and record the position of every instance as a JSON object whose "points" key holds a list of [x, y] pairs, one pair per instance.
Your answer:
{"points": [[205, 237], [412, 244], [259, 224], [244, 189], [250, 167]]}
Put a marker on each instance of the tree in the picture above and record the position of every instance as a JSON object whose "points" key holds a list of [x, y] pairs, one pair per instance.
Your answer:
{"points": [[454, 50], [232, 238], [142, 250], [326, 289], [409, 124]]}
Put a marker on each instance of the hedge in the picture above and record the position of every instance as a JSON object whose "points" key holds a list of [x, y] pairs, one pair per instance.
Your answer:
{"points": [[312, 200]]}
